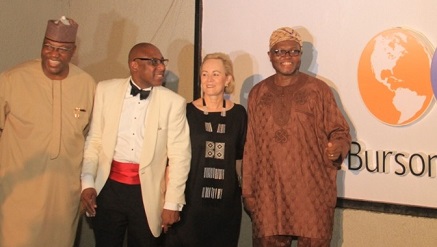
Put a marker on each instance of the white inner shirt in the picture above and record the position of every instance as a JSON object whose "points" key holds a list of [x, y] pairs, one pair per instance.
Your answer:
{"points": [[131, 128]]}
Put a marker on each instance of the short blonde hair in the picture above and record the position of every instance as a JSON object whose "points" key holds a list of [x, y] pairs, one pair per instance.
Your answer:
{"points": [[227, 63]]}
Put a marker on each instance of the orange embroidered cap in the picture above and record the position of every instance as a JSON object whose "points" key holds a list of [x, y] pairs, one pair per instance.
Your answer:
{"points": [[282, 34]]}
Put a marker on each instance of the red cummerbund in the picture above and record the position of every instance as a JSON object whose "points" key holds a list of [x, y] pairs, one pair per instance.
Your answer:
{"points": [[125, 173]]}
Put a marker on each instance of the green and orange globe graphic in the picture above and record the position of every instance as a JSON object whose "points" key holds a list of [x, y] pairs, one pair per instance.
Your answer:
{"points": [[394, 76]]}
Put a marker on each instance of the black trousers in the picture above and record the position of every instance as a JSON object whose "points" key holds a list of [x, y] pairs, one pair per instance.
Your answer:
{"points": [[120, 212]]}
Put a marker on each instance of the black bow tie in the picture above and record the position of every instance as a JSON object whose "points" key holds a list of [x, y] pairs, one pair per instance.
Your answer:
{"points": [[134, 91]]}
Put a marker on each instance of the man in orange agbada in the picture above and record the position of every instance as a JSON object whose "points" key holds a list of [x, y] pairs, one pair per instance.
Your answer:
{"points": [[296, 141]]}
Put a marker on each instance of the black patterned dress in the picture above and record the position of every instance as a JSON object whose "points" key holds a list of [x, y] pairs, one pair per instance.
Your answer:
{"points": [[212, 215]]}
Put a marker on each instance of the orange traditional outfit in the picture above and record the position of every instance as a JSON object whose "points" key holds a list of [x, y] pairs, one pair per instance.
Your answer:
{"points": [[285, 167]]}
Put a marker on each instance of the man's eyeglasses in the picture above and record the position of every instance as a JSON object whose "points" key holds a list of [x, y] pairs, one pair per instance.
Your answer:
{"points": [[154, 61], [282, 53], [61, 49]]}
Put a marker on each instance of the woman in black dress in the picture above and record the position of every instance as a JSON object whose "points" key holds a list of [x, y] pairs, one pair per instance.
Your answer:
{"points": [[212, 215]]}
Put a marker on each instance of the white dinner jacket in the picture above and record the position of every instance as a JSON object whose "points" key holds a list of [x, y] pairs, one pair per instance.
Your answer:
{"points": [[166, 137]]}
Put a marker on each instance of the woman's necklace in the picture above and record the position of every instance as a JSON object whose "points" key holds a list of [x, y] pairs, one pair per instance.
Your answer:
{"points": [[221, 128]]}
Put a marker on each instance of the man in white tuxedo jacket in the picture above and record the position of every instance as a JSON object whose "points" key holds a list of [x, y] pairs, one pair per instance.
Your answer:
{"points": [[137, 154]]}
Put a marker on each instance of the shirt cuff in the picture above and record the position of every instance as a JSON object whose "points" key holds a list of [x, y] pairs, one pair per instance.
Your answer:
{"points": [[87, 181], [173, 206]]}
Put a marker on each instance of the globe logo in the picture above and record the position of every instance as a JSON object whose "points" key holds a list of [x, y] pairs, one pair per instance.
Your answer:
{"points": [[394, 76], [434, 73]]}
